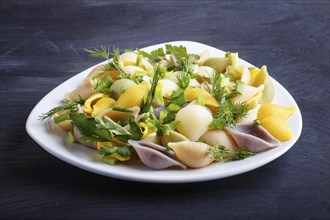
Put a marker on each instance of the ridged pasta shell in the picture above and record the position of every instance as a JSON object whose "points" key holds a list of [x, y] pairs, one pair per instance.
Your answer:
{"points": [[84, 91], [253, 138], [119, 86], [247, 93], [268, 92], [219, 136], [193, 93], [192, 154], [102, 104], [95, 71], [218, 63], [118, 115], [193, 121], [278, 128], [155, 156], [205, 71], [133, 96], [173, 137], [274, 110], [168, 87], [203, 57], [260, 78], [194, 83]]}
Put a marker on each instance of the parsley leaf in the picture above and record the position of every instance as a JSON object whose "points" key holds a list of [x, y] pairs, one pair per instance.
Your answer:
{"points": [[178, 51]]}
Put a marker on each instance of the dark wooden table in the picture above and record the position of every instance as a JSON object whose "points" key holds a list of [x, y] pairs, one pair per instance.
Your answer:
{"points": [[41, 46]]}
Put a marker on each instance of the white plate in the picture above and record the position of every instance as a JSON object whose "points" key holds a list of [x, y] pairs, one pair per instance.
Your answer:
{"points": [[55, 141]]}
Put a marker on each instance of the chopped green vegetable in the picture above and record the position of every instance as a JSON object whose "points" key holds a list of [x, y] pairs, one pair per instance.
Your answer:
{"points": [[107, 160], [239, 86], [61, 118], [103, 86], [121, 109]]}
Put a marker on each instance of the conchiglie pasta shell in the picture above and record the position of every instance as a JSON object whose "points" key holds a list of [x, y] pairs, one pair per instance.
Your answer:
{"points": [[218, 63], [247, 93], [213, 137], [260, 78], [193, 93], [84, 91], [254, 101], [119, 86], [205, 71], [133, 96], [269, 92], [253, 138], [95, 71], [192, 154], [168, 87], [203, 57], [278, 128], [88, 105], [118, 115], [128, 58], [274, 110], [245, 74], [193, 121], [173, 137], [194, 83], [102, 104], [253, 72]]}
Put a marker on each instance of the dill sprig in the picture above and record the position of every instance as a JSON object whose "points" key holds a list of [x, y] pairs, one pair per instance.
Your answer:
{"points": [[102, 53], [69, 105], [221, 153], [216, 89], [228, 114]]}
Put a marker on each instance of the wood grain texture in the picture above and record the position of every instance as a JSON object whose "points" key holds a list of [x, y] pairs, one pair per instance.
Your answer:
{"points": [[41, 46]]}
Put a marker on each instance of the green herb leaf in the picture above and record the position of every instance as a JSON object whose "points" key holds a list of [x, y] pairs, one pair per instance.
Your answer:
{"points": [[178, 51], [103, 86], [135, 129], [102, 53], [67, 105]]}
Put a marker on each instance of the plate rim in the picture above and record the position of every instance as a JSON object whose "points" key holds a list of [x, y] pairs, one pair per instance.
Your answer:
{"points": [[194, 178]]}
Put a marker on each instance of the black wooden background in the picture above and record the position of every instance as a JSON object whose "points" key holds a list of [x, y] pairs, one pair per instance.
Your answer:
{"points": [[41, 46]]}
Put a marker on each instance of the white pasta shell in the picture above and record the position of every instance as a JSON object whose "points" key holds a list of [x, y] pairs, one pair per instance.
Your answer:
{"points": [[128, 58], [247, 93], [202, 57], [95, 71], [205, 71], [119, 86], [168, 87], [245, 74], [193, 121], [84, 91], [194, 83], [192, 154], [219, 136]]}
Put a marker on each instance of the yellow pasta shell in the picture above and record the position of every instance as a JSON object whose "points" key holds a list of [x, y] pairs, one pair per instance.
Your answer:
{"points": [[133, 96], [245, 74], [260, 78], [274, 110], [278, 128], [253, 72], [247, 93], [192, 154], [118, 115], [88, 105], [193, 93], [254, 101], [218, 63], [119, 86], [101, 104]]}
